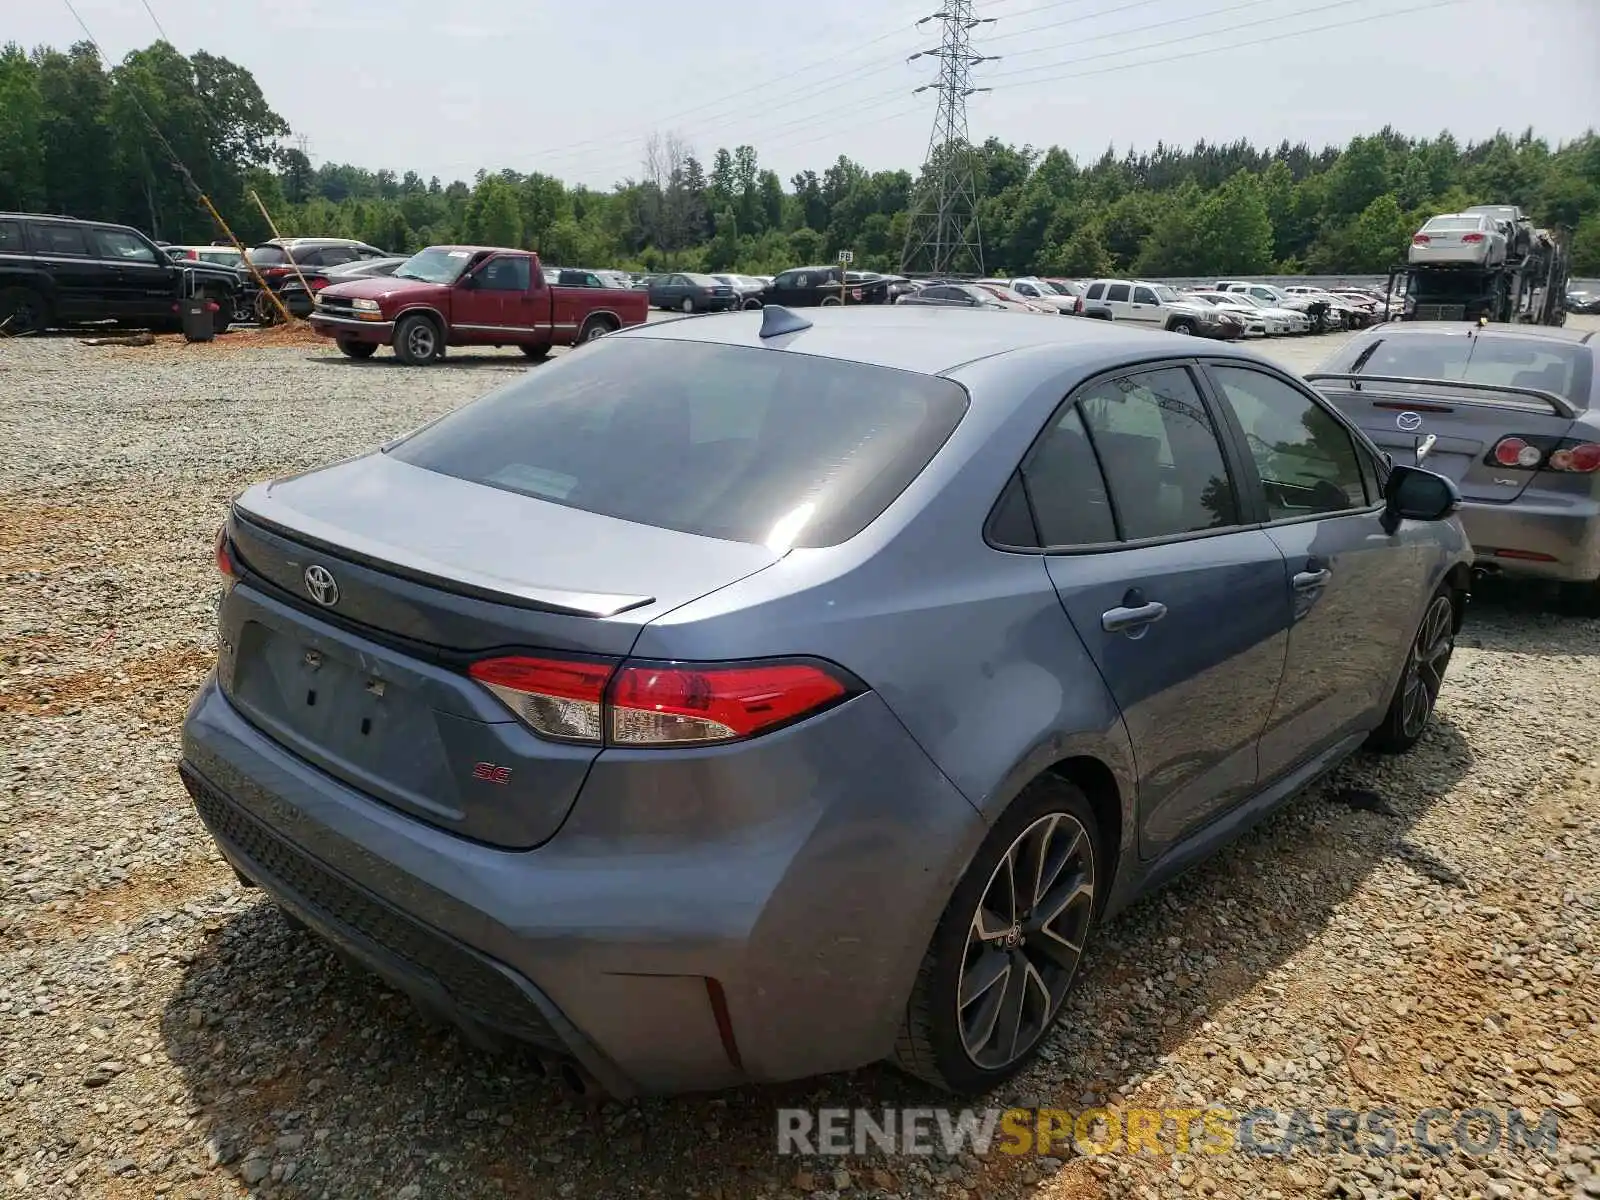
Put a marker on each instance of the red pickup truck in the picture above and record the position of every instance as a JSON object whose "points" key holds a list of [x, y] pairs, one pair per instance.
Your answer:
{"points": [[469, 296]]}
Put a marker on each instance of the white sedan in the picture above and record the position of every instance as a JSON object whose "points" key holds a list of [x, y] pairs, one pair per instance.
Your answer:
{"points": [[1261, 320], [1470, 238]]}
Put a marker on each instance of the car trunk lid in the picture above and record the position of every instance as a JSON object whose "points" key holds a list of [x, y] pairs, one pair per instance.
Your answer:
{"points": [[1466, 421], [370, 587]]}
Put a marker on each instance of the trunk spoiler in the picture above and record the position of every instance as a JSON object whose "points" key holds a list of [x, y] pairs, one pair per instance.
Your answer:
{"points": [[316, 536], [1559, 403]]}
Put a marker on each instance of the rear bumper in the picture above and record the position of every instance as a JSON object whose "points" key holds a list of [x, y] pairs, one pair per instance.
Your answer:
{"points": [[1537, 539], [352, 329], [801, 875]]}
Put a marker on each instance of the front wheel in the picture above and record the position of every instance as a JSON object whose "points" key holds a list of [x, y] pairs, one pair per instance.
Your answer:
{"points": [[1007, 948], [1183, 327], [752, 302], [831, 302], [351, 348], [417, 341], [1411, 707]]}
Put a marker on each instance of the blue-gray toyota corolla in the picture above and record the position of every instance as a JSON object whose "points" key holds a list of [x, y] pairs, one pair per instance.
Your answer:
{"points": [[747, 697]]}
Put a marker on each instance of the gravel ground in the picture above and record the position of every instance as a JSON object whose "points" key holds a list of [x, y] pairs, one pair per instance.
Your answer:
{"points": [[1414, 933]]}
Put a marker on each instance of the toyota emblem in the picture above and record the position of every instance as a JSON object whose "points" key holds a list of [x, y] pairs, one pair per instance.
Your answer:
{"points": [[1409, 421], [321, 586]]}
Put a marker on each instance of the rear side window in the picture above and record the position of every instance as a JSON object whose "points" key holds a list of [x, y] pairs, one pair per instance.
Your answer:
{"points": [[1160, 453], [10, 237], [728, 442], [1064, 485], [1117, 291], [60, 239], [1094, 291]]}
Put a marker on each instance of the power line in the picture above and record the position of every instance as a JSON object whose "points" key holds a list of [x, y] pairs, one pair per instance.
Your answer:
{"points": [[1082, 17], [157, 21], [813, 82], [1069, 62]]}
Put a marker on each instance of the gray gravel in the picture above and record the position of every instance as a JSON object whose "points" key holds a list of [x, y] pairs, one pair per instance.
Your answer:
{"points": [[1414, 933]]}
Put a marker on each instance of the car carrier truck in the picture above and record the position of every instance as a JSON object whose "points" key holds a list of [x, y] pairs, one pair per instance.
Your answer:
{"points": [[1528, 288]]}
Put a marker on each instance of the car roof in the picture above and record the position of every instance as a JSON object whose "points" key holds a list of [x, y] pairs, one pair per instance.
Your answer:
{"points": [[1553, 333], [930, 341]]}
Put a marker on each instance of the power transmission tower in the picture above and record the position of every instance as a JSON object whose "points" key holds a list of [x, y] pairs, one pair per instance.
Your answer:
{"points": [[942, 235]]}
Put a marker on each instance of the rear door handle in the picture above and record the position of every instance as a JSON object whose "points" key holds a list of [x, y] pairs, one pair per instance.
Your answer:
{"points": [[1306, 581], [1127, 620]]}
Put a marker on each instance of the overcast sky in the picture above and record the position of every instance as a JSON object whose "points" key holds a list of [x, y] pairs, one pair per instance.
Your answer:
{"points": [[573, 87]]}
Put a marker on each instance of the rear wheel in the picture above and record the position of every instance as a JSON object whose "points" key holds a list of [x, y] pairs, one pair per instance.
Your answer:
{"points": [[687, 305], [1411, 707], [351, 348], [752, 302], [596, 327], [831, 302], [1007, 949], [417, 341], [22, 310]]}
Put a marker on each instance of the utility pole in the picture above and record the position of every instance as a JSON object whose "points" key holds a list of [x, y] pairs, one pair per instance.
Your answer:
{"points": [[942, 235]]}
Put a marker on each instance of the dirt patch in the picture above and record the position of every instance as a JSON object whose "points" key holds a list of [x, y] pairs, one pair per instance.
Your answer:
{"points": [[155, 687], [275, 337], [163, 889]]}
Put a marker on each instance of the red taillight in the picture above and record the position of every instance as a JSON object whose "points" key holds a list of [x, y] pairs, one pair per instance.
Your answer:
{"points": [[1077, 306], [192, 254], [650, 704], [557, 697], [226, 567], [1472, 237], [1420, 239], [1515, 452], [1569, 457], [676, 703], [1582, 459]]}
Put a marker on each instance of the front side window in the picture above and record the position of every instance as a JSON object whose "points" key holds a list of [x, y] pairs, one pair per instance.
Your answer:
{"points": [[434, 265], [1160, 453], [1144, 295], [122, 246], [505, 274], [1306, 458]]}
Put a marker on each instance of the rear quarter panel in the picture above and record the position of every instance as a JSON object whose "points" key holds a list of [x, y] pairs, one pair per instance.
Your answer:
{"points": [[968, 645]]}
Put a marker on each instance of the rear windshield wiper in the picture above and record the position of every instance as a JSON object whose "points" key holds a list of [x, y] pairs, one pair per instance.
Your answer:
{"points": [[1361, 361]]}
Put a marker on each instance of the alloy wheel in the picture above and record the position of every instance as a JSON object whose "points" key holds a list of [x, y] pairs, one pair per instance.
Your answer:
{"points": [[1025, 941], [1430, 655], [420, 341]]}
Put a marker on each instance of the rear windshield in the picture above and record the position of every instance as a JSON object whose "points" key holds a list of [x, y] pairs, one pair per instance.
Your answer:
{"points": [[1453, 224], [731, 442], [1564, 368], [267, 256]]}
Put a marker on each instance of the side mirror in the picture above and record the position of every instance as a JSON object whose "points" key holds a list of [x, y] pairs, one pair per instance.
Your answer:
{"points": [[468, 281], [1413, 494]]}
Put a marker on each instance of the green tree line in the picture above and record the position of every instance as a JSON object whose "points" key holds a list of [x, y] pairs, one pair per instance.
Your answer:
{"points": [[75, 139]]}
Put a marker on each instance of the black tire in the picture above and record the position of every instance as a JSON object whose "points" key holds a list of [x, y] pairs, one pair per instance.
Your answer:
{"points": [[418, 341], [831, 302], [752, 302], [537, 353], [1427, 659], [595, 328], [351, 348], [935, 1036], [23, 310], [1184, 327], [687, 307]]}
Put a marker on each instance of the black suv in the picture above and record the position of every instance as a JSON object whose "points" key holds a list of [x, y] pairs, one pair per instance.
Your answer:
{"points": [[62, 271], [809, 287]]}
